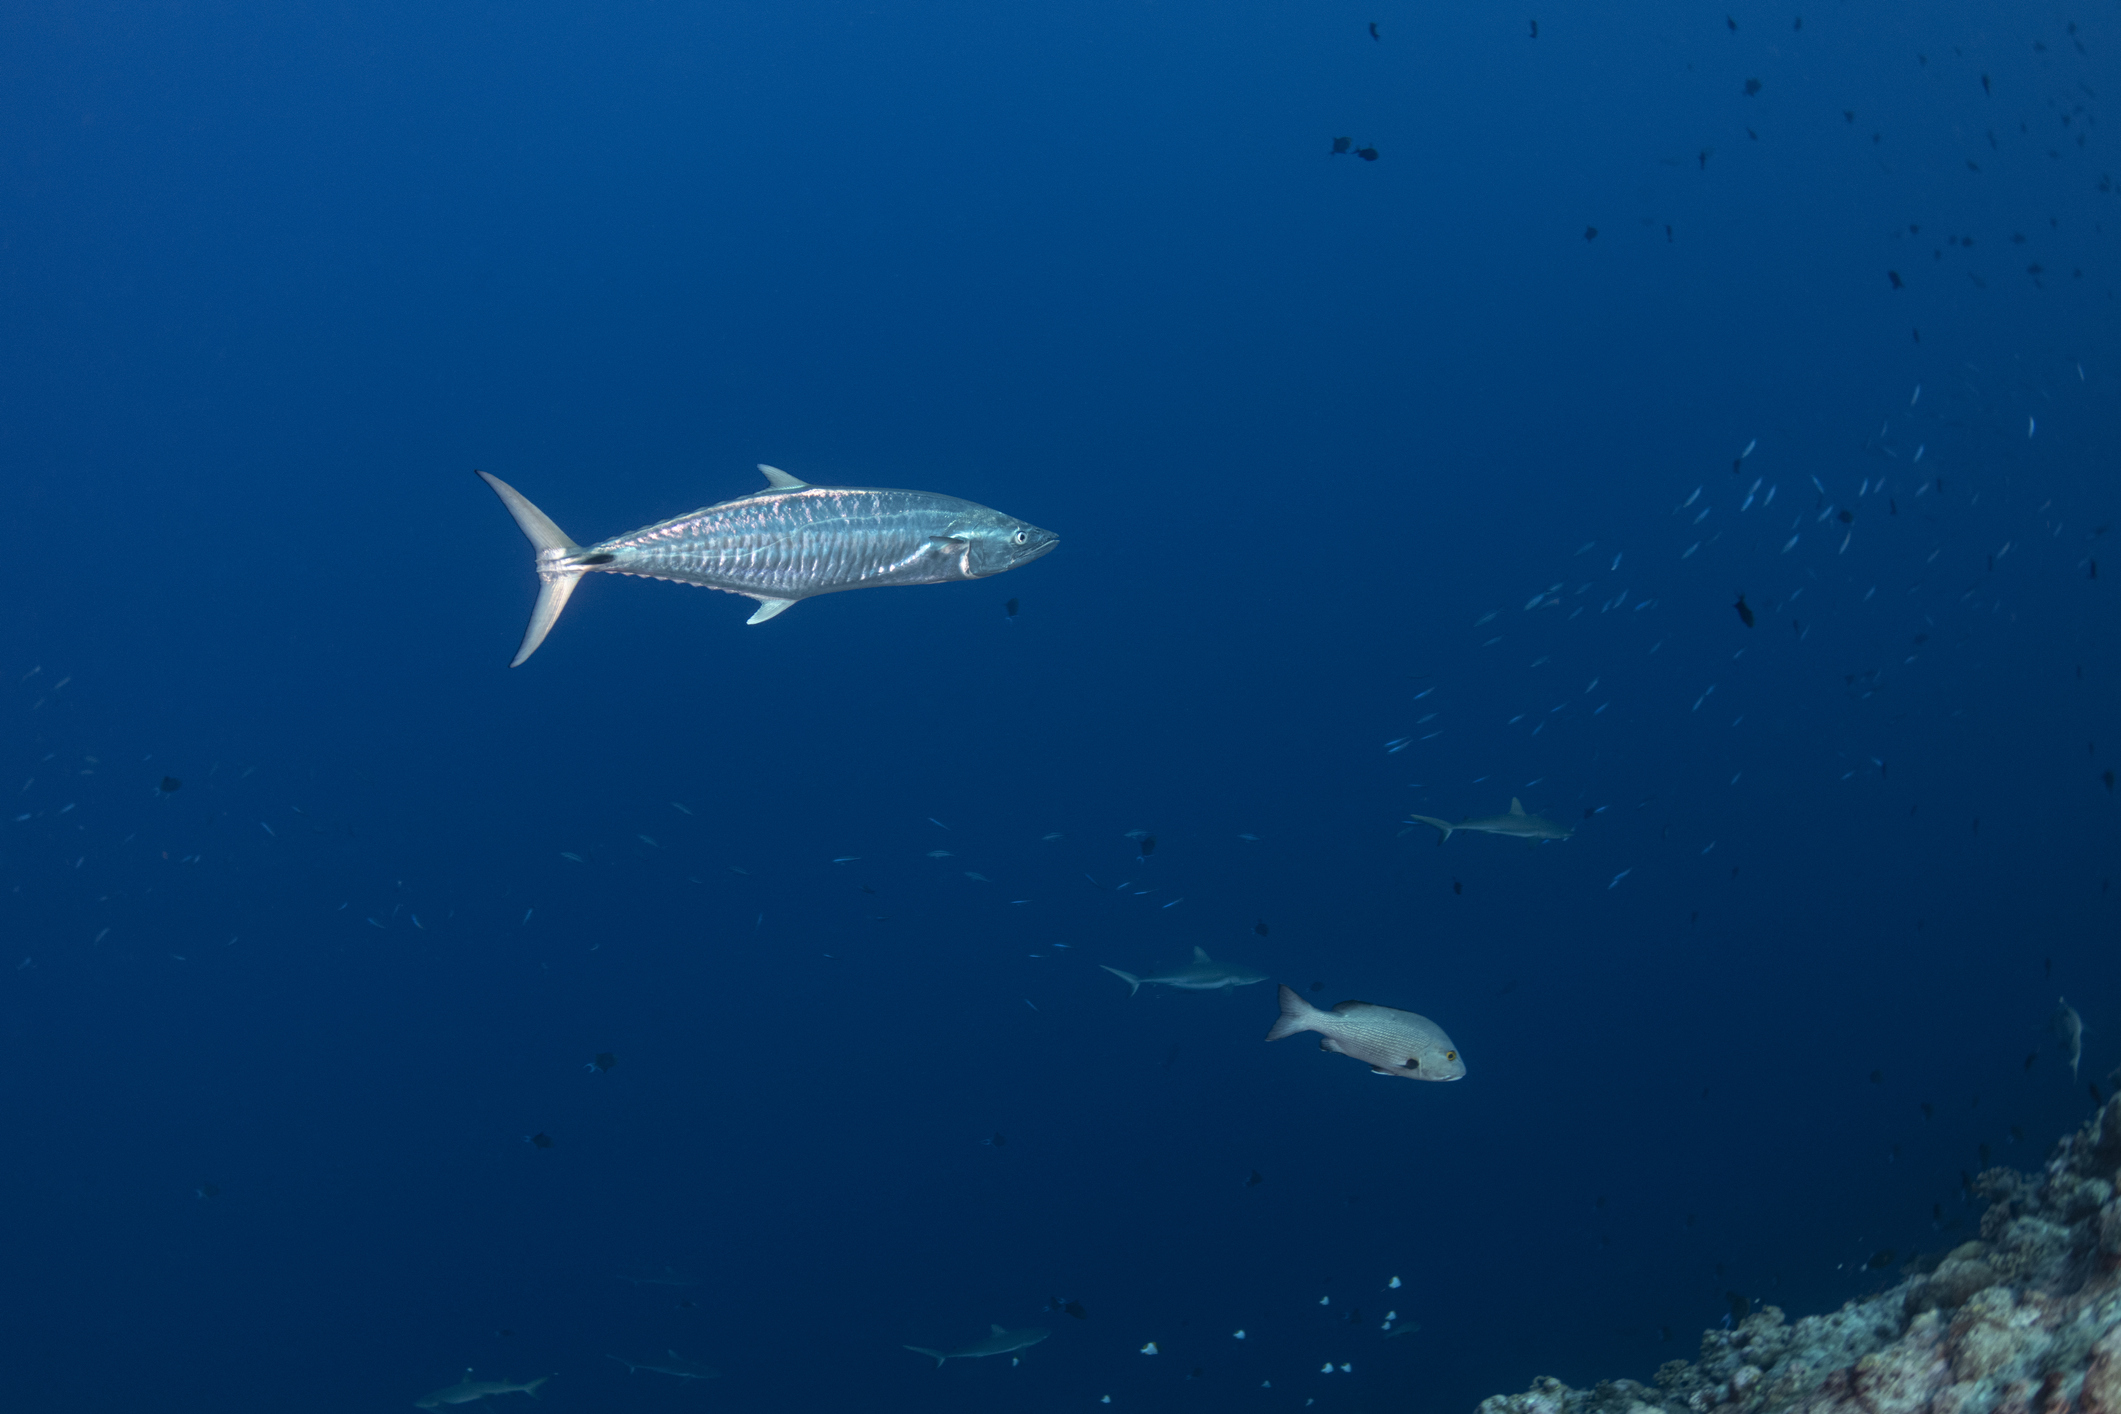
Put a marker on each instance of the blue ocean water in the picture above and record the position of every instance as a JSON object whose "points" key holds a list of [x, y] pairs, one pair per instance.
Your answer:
{"points": [[1385, 487]]}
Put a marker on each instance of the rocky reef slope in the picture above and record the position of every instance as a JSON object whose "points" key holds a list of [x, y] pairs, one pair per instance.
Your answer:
{"points": [[2026, 1320]]}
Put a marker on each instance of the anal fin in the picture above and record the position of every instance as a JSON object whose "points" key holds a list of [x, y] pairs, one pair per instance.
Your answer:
{"points": [[768, 608]]}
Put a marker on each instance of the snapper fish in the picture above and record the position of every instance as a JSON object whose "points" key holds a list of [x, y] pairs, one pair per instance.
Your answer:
{"points": [[788, 542], [1394, 1042]]}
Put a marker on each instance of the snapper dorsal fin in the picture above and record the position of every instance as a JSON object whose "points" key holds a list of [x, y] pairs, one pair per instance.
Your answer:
{"points": [[1516, 806], [780, 480]]}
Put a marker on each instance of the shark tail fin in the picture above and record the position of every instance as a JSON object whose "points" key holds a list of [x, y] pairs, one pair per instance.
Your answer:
{"points": [[1296, 1015], [1444, 825], [924, 1350], [558, 570], [1134, 984], [531, 1389]]}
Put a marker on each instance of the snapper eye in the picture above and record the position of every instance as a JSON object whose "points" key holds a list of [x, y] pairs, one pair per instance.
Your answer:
{"points": [[1450, 1055], [1022, 537]]}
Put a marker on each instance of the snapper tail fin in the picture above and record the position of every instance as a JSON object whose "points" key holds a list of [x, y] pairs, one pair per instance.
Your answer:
{"points": [[1445, 825], [924, 1350], [1134, 983], [1296, 1015], [560, 563]]}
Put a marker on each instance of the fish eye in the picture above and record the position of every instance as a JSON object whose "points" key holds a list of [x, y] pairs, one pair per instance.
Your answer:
{"points": [[1450, 1055], [1023, 537]]}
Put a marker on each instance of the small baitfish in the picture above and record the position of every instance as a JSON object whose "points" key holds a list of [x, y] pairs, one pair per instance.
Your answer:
{"points": [[791, 541], [1393, 1042]]}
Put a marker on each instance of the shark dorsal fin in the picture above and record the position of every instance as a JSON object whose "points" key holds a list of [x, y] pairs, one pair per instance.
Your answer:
{"points": [[999, 1331], [780, 480], [1516, 806], [1201, 955]]}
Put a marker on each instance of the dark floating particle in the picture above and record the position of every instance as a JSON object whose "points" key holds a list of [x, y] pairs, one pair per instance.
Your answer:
{"points": [[1260, 927], [1752, 86], [1732, 23], [1745, 611], [1148, 845], [1798, 24], [996, 1140], [1009, 609], [1342, 144], [1846, 517], [208, 1191], [1740, 1306], [1983, 1150], [1318, 986], [2093, 1086], [1367, 154], [171, 783], [1894, 276], [1590, 233], [1849, 113], [1255, 1179], [2109, 779], [604, 1061], [1535, 29], [1075, 1309], [1929, 1111], [541, 1141], [1373, 31], [1883, 1257], [1877, 1077], [2030, 1057], [1984, 85], [1456, 888]]}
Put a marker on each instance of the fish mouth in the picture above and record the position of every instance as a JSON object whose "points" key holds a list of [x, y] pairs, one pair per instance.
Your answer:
{"points": [[1043, 548]]}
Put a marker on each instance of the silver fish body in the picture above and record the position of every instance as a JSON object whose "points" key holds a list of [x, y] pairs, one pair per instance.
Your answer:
{"points": [[1394, 1042], [790, 542]]}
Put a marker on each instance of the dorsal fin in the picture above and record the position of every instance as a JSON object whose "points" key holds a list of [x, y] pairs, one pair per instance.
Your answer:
{"points": [[1516, 806], [780, 480], [1201, 955]]}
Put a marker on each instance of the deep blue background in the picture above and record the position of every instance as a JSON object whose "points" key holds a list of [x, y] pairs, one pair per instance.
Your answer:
{"points": [[274, 279]]}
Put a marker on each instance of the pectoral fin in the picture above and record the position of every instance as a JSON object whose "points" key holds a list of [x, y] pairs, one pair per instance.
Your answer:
{"points": [[768, 608]]}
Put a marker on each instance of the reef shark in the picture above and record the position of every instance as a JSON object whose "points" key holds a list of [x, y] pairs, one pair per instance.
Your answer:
{"points": [[1000, 1343], [788, 542], [1517, 824], [679, 1366], [466, 1390], [1203, 974]]}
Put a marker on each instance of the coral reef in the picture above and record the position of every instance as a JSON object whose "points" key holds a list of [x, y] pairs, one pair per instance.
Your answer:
{"points": [[2025, 1320]]}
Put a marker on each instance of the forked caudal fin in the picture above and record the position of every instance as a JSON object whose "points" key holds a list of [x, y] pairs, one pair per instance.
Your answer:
{"points": [[556, 576], [1134, 983], [924, 1350], [1296, 1015], [1445, 825]]}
